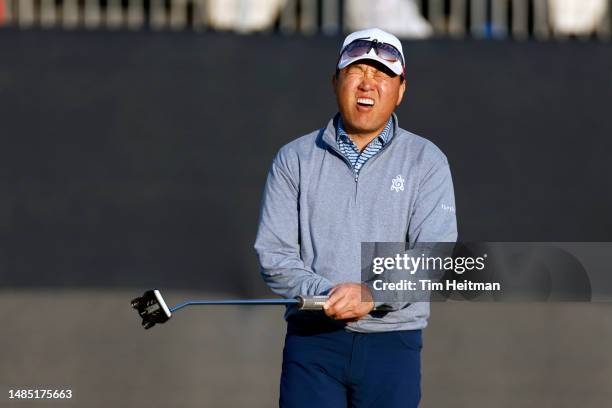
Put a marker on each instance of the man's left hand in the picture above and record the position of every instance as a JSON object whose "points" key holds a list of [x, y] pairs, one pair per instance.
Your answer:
{"points": [[349, 301]]}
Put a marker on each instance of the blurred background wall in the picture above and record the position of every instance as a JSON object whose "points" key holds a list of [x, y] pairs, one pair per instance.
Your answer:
{"points": [[134, 155]]}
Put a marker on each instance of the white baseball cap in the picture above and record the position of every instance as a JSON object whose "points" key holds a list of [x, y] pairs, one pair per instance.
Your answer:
{"points": [[377, 36]]}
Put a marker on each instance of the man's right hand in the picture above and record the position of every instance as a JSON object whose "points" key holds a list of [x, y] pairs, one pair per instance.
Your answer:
{"points": [[349, 301]]}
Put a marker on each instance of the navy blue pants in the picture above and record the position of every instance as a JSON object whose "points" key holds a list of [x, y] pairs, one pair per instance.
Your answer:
{"points": [[332, 367]]}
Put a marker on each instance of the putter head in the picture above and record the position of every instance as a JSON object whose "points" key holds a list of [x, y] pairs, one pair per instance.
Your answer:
{"points": [[152, 308]]}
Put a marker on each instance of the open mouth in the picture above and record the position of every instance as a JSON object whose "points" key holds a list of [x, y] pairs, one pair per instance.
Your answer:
{"points": [[365, 102]]}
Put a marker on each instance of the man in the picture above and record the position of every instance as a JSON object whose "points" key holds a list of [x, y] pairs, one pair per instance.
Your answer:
{"points": [[359, 179]]}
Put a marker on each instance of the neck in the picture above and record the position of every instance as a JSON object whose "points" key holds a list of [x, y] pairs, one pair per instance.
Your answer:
{"points": [[362, 139]]}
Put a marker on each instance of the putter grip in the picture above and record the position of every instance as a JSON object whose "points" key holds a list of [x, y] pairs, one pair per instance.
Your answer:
{"points": [[311, 302]]}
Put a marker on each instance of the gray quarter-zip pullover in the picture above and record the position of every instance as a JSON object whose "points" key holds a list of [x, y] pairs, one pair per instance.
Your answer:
{"points": [[315, 215]]}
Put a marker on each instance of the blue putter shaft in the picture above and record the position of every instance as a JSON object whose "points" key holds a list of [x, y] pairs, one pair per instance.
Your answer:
{"points": [[237, 302]]}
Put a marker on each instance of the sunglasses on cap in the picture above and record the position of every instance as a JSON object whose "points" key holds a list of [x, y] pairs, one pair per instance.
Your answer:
{"points": [[361, 47]]}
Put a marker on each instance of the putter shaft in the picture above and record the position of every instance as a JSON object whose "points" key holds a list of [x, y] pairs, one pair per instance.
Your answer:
{"points": [[237, 302]]}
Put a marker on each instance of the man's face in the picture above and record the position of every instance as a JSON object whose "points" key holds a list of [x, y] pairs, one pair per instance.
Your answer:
{"points": [[367, 93]]}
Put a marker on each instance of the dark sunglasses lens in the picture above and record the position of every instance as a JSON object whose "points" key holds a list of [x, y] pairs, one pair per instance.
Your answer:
{"points": [[358, 48], [387, 52]]}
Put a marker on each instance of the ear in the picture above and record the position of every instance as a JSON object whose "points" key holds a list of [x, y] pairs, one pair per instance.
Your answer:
{"points": [[334, 80], [400, 92]]}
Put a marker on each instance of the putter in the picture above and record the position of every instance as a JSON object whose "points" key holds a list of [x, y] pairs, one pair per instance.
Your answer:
{"points": [[153, 309]]}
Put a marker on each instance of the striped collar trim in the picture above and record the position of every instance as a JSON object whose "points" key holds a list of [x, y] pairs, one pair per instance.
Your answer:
{"points": [[383, 137]]}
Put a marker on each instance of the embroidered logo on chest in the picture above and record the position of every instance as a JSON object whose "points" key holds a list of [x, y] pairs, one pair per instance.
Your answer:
{"points": [[397, 184]]}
